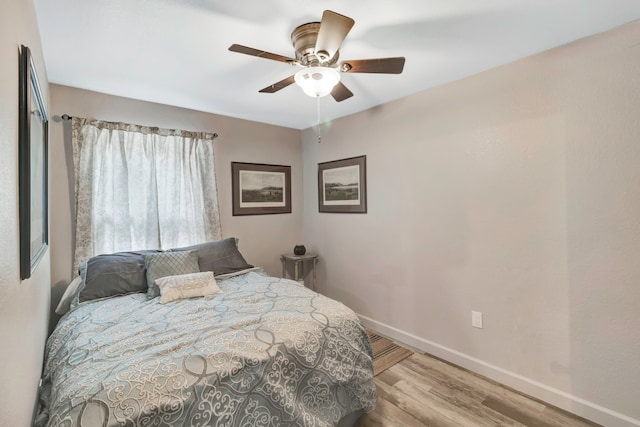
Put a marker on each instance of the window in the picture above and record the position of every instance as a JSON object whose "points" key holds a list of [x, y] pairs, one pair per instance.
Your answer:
{"points": [[139, 188]]}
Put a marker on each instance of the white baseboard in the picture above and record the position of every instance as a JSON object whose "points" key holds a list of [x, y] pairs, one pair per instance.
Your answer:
{"points": [[561, 399]]}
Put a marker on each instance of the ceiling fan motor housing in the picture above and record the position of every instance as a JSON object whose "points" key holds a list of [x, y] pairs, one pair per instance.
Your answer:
{"points": [[304, 39]]}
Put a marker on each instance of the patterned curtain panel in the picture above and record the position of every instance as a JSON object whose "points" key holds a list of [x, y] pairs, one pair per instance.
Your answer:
{"points": [[140, 187]]}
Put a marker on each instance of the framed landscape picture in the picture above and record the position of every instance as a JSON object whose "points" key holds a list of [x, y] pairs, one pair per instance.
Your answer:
{"points": [[260, 189], [342, 185]]}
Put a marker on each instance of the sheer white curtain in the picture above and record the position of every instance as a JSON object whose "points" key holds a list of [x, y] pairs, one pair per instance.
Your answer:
{"points": [[140, 187]]}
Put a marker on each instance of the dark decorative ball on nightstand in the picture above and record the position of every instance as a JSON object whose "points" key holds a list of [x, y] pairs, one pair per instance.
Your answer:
{"points": [[299, 250]]}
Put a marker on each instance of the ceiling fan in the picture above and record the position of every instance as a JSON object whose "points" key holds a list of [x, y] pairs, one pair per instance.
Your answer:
{"points": [[317, 50]]}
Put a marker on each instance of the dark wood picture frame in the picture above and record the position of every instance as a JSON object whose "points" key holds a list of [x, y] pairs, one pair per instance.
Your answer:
{"points": [[260, 189], [342, 185], [32, 167]]}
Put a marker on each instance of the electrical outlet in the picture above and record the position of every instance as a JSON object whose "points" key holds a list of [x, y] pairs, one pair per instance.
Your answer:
{"points": [[476, 319]]}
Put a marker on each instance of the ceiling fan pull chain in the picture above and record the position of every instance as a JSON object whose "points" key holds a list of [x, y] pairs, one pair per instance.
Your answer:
{"points": [[318, 125]]}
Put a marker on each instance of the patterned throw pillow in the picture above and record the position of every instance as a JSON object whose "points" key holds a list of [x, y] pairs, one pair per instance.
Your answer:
{"points": [[169, 264], [187, 286], [219, 256]]}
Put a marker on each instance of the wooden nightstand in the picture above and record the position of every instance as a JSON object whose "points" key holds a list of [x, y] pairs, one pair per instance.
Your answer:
{"points": [[298, 267]]}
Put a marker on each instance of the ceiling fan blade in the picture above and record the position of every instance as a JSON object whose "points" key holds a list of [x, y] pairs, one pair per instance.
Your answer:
{"points": [[333, 30], [259, 53], [340, 92], [277, 86], [378, 65]]}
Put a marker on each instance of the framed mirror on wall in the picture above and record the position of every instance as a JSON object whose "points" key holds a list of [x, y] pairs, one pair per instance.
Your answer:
{"points": [[32, 166]]}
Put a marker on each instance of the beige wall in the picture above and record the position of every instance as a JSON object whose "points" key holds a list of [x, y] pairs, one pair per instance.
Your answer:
{"points": [[24, 305], [262, 237], [515, 192]]}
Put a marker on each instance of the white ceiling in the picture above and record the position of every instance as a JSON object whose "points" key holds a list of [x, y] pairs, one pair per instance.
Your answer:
{"points": [[175, 51]]}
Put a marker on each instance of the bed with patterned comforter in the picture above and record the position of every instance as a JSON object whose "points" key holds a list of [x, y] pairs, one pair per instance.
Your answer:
{"points": [[263, 352]]}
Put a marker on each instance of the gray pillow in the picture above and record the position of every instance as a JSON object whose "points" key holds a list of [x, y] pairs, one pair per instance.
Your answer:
{"points": [[219, 256], [169, 264], [110, 275]]}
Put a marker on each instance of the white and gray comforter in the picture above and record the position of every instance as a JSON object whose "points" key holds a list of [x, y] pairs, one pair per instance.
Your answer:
{"points": [[263, 352]]}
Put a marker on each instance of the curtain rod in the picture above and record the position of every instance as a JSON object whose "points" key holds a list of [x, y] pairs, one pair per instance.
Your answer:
{"points": [[65, 116]]}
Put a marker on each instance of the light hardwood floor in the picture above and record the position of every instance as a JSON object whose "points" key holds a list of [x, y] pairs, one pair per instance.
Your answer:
{"points": [[425, 391]]}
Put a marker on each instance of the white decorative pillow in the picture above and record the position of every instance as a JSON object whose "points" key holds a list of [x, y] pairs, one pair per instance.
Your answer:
{"points": [[65, 302], [186, 286]]}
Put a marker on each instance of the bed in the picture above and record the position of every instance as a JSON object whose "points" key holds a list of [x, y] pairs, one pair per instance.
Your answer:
{"points": [[259, 351]]}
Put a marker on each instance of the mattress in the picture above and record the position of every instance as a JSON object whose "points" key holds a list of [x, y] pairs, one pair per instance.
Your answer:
{"points": [[264, 351]]}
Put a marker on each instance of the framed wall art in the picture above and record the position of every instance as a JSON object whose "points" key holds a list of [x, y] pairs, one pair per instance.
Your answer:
{"points": [[342, 185], [32, 166], [260, 189]]}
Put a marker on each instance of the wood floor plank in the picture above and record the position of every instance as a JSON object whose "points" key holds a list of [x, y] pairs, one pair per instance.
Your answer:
{"points": [[441, 385], [425, 415], [390, 376], [399, 417], [559, 418], [422, 390], [377, 418], [461, 414], [457, 375], [457, 398], [521, 415]]}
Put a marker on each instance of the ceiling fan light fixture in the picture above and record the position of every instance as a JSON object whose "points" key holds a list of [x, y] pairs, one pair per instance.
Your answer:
{"points": [[317, 81]]}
